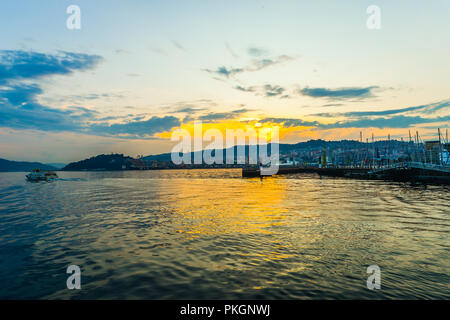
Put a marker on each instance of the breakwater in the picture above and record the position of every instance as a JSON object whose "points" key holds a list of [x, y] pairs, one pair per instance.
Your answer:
{"points": [[414, 172]]}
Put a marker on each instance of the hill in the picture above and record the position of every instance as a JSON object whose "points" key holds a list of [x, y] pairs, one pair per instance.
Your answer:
{"points": [[107, 162], [22, 166], [309, 150], [283, 148], [56, 165]]}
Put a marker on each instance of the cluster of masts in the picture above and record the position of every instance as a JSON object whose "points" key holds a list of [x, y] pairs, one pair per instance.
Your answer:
{"points": [[435, 152]]}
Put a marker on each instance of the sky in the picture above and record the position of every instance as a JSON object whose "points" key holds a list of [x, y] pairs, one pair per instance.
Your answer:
{"points": [[138, 70]]}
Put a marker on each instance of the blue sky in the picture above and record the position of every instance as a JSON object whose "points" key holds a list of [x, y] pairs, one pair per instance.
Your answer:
{"points": [[137, 70]]}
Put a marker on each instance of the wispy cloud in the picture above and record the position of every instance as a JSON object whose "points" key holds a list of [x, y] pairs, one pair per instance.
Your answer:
{"points": [[189, 110], [137, 128], [255, 65], [291, 122], [178, 45], [264, 63], [83, 98], [214, 116], [225, 72], [425, 109], [192, 107], [339, 93], [399, 121], [265, 90], [394, 118], [203, 110], [257, 52], [122, 51], [231, 51], [159, 51], [333, 105]]}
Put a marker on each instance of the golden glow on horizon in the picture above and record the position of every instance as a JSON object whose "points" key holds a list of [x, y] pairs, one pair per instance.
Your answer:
{"points": [[252, 129], [294, 134]]}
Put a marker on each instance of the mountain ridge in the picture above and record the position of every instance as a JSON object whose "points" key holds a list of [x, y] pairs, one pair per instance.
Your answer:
{"points": [[22, 166]]}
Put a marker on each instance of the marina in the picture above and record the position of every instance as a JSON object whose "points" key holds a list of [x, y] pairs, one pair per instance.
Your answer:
{"points": [[426, 161]]}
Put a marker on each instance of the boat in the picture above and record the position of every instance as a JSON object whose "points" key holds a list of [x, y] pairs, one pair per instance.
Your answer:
{"points": [[41, 175]]}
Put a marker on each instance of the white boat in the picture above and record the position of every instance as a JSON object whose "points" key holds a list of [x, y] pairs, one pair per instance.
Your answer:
{"points": [[41, 175]]}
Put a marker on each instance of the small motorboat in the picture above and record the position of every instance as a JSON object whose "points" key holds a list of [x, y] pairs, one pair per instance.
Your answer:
{"points": [[41, 175]]}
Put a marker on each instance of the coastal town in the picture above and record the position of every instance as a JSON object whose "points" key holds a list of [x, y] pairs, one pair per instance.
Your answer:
{"points": [[313, 153]]}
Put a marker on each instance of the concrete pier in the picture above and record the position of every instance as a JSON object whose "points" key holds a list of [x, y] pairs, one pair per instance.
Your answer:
{"points": [[249, 172], [414, 172]]}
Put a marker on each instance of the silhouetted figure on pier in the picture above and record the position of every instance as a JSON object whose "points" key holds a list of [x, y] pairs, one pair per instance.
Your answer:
{"points": [[260, 171]]}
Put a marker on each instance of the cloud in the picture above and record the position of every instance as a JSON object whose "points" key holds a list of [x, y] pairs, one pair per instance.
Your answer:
{"points": [[271, 91], [265, 90], [20, 73], [214, 116], [230, 50], [256, 52], [396, 118], [22, 65], [137, 129], [193, 107], [80, 98], [425, 109], [178, 45], [159, 51], [122, 51], [399, 121], [189, 110], [264, 63], [333, 105], [340, 93], [289, 122], [22, 95], [245, 89], [225, 72], [19, 107], [200, 110], [255, 65]]}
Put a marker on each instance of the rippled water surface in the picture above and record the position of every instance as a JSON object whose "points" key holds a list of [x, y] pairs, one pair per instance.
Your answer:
{"points": [[209, 234]]}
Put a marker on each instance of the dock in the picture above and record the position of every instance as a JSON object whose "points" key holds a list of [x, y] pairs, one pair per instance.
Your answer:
{"points": [[413, 171], [408, 171], [248, 172]]}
